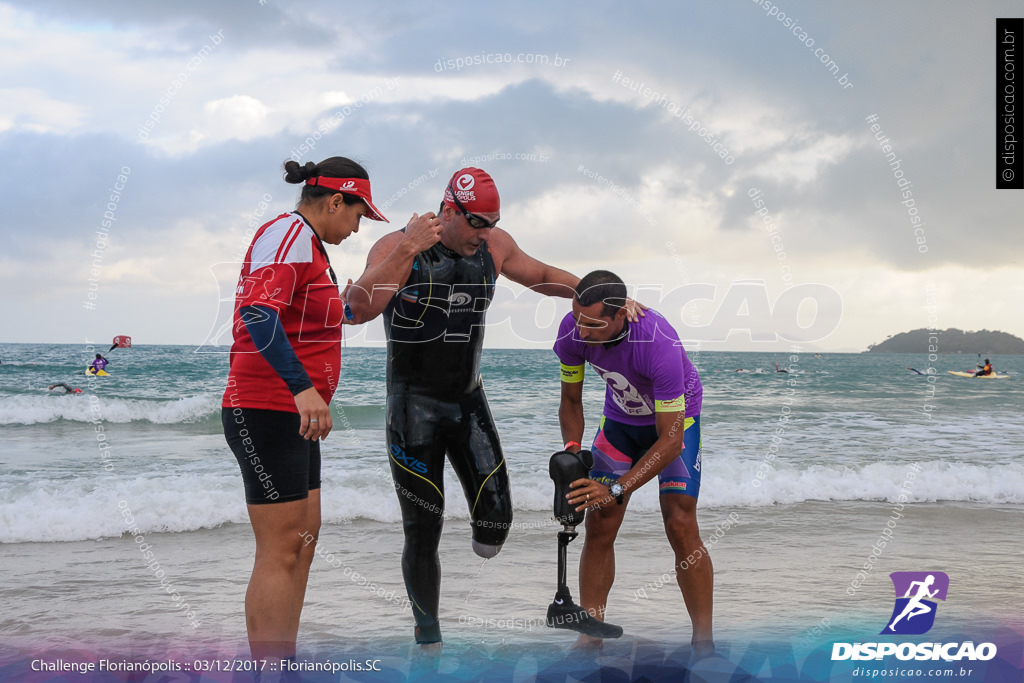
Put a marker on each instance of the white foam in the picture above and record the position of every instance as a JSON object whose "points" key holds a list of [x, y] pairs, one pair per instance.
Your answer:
{"points": [[734, 482], [89, 507], [27, 410]]}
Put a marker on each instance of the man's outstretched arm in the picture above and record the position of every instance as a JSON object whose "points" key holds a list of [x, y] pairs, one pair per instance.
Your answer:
{"points": [[520, 267], [542, 278]]}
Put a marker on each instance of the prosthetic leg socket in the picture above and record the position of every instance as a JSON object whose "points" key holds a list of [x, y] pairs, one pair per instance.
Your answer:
{"points": [[566, 467]]}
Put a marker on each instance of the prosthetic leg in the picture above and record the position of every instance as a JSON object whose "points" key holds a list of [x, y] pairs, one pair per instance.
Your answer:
{"points": [[565, 468]]}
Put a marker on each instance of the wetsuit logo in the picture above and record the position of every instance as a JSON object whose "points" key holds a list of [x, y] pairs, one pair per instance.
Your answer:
{"points": [[405, 461], [913, 613]]}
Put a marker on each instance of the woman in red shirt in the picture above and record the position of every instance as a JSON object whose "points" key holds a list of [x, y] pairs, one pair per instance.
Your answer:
{"points": [[285, 363]]}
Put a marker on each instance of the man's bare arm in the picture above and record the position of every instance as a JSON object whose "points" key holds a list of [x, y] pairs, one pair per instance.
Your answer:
{"points": [[518, 266], [667, 448], [542, 278], [588, 493], [570, 413], [388, 265]]}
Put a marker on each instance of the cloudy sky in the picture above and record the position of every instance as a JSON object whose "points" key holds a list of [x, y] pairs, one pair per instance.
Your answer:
{"points": [[604, 125]]}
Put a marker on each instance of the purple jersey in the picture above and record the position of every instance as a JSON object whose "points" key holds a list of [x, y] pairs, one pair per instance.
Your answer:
{"points": [[645, 373]]}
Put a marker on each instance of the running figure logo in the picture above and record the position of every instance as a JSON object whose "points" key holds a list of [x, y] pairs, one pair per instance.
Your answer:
{"points": [[914, 613]]}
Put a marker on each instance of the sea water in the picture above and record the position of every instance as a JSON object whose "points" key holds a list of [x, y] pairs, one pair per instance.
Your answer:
{"points": [[803, 473]]}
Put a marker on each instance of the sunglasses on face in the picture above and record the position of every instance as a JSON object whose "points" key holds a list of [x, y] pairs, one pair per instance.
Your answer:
{"points": [[471, 218]]}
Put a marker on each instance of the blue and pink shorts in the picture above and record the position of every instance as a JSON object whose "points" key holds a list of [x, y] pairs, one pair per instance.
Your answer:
{"points": [[618, 446]]}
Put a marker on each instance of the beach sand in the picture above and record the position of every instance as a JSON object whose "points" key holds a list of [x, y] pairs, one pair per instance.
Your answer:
{"points": [[778, 571]]}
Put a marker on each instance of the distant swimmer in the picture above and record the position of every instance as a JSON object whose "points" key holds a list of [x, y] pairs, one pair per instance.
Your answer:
{"points": [[915, 607], [99, 364], [778, 369], [984, 370], [914, 370], [66, 388]]}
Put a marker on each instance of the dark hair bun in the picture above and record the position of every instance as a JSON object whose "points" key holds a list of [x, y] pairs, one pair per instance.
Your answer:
{"points": [[296, 174]]}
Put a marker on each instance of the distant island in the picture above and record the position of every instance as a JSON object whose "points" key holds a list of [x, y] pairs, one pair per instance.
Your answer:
{"points": [[985, 342]]}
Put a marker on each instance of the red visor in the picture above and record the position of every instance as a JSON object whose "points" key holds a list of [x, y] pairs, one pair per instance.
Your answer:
{"points": [[360, 187]]}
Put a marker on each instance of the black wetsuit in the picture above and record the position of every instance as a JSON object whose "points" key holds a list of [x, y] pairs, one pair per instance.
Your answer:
{"points": [[436, 405]]}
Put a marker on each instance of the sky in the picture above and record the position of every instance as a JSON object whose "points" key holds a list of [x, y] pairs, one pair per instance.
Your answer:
{"points": [[718, 156]]}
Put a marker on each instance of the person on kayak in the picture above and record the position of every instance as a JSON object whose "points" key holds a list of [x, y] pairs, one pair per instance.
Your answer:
{"points": [[99, 364]]}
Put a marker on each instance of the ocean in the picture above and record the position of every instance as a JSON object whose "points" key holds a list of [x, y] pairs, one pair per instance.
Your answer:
{"points": [[817, 484]]}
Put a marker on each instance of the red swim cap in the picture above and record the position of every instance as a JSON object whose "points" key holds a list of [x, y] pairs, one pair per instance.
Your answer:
{"points": [[475, 189]]}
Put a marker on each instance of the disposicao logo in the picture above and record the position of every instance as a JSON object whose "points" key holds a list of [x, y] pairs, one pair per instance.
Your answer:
{"points": [[914, 614]]}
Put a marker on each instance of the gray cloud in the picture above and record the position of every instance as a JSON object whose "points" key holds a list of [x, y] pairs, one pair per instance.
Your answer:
{"points": [[740, 71], [181, 23]]}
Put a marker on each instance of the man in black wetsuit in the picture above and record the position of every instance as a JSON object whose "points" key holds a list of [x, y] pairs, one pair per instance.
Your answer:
{"points": [[434, 281]]}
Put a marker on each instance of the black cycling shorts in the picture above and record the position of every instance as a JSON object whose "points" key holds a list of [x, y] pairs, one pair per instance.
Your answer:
{"points": [[277, 464]]}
